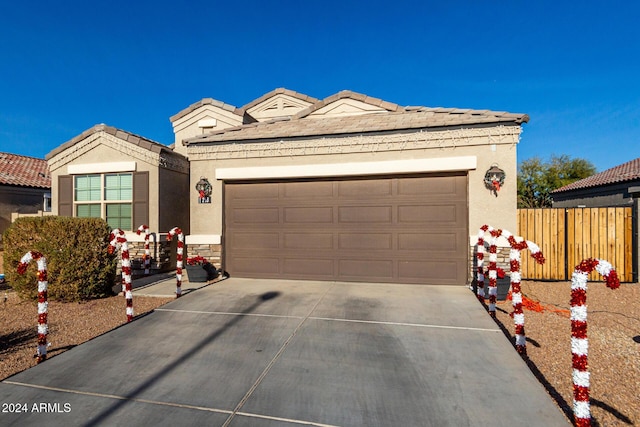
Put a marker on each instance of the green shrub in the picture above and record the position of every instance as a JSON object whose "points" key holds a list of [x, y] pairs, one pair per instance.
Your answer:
{"points": [[76, 249]]}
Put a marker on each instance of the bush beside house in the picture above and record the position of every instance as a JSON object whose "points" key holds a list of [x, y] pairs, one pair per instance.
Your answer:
{"points": [[79, 265]]}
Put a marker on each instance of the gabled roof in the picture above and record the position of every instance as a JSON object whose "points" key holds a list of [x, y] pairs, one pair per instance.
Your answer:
{"points": [[140, 141], [401, 119], [347, 94], [24, 171], [625, 172], [278, 91], [203, 102]]}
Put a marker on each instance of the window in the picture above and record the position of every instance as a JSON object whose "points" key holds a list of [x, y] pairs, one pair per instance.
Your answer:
{"points": [[107, 196], [46, 203]]}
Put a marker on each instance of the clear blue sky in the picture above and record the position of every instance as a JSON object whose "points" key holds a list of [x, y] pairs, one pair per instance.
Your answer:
{"points": [[574, 67]]}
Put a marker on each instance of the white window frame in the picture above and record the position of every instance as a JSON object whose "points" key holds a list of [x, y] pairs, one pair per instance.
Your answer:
{"points": [[103, 202]]}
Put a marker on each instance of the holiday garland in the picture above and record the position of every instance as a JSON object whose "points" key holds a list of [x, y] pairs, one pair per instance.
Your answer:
{"points": [[516, 277], [147, 254], [179, 252], [117, 238], [579, 342], [43, 304]]}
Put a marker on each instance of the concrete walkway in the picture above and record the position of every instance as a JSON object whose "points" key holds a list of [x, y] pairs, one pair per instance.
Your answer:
{"points": [[268, 353]]}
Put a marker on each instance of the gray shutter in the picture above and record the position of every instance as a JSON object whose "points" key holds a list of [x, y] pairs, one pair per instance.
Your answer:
{"points": [[65, 195], [140, 199]]}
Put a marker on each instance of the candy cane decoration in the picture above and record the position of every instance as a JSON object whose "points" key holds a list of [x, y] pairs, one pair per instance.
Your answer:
{"points": [[117, 238], [579, 342], [515, 277], [493, 267], [179, 252], [147, 254], [43, 304]]}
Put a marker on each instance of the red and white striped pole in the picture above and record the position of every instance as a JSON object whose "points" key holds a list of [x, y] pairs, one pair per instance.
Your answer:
{"points": [[493, 267], [179, 253], [579, 342], [147, 254], [516, 291], [515, 277], [117, 238], [43, 327]]}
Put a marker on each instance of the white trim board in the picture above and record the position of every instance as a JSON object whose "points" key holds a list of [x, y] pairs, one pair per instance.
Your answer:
{"points": [[442, 164], [89, 168], [203, 239]]}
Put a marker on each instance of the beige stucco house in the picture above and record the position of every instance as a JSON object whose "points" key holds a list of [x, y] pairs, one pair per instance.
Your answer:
{"points": [[124, 178], [349, 187]]}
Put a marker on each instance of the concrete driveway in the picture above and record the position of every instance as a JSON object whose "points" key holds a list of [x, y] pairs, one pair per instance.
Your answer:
{"points": [[271, 353]]}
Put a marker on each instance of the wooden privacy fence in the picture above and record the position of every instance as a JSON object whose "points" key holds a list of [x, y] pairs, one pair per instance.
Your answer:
{"points": [[569, 235]]}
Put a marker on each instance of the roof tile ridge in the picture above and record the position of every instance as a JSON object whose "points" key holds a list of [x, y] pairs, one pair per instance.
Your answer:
{"points": [[130, 137], [277, 91], [612, 175], [203, 102], [389, 106]]}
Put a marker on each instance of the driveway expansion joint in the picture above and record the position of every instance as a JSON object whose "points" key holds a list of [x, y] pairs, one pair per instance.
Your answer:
{"points": [[275, 358]]}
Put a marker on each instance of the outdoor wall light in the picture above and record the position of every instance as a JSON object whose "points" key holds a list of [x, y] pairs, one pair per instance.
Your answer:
{"points": [[204, 190], [494, 179]]}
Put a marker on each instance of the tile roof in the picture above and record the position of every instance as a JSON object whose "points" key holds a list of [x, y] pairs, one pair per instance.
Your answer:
{"points": [[343, 94], [140, 141], [206, 101], [401, 119], [24, 171], [625, 172], [278, 91]]}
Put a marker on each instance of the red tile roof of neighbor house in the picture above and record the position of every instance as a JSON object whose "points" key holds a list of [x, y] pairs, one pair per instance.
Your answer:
{"points": [[24, 171], [625, 172]]}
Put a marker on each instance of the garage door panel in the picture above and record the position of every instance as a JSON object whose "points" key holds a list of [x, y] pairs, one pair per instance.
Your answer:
{"points": [[257, 191], [307, 189], [255, 216], [440, 242], [308, 240], [258, 240], [254, 266], [366, 269], [317, 214], [437, 271], [365, 189], [365, 214], [365, 241], [410, 229], [426, 214], [308, 268], [433, 186]]}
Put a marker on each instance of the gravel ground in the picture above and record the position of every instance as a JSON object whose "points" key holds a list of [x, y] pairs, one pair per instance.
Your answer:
{"points": [[614, 347], [70, 324], [613, 322]]}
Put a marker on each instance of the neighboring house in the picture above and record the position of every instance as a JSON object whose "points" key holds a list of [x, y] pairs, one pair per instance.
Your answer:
{"points": [[349, 188], [615, 187], [25, 187], [618, 186]]}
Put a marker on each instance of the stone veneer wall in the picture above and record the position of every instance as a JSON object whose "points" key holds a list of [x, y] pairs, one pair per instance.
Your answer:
{"points": [[503, 261], [163, 255], [211, 252]]}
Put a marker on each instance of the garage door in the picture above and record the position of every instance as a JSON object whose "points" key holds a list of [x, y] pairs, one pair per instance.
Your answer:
{"points": [[409, 229]]}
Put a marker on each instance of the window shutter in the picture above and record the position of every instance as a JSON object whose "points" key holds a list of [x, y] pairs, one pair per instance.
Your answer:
{"points": [[140, 199], [65, 195]]}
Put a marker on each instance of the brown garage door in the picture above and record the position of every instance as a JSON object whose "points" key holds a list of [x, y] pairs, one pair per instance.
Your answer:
{"points": [[409, 229]]}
